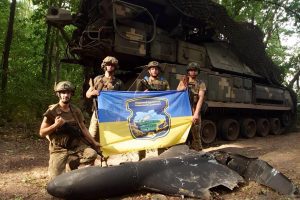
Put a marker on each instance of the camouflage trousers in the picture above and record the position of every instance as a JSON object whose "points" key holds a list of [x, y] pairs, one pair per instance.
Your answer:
{"points": [[94, 127], [60, 158], [195, 136]]}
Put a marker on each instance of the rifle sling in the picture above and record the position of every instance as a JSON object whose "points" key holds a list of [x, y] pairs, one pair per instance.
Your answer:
{"points": [[81, 128]]}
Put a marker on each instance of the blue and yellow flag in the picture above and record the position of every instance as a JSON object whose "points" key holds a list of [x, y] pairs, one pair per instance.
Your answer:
{"points": [[132, 121]]}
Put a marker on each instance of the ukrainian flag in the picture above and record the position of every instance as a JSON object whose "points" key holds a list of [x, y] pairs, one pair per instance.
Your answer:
{"points": [[132, 121]]}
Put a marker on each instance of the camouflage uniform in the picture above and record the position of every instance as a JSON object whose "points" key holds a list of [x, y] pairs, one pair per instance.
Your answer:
{"points": [[158, 85], [194, 88], [102, 83], [65, 146]]}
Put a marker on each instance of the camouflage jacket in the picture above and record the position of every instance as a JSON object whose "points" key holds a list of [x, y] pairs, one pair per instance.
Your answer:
{"points": [[158, 84], [64, 138], [103, 83], [194, 87]]}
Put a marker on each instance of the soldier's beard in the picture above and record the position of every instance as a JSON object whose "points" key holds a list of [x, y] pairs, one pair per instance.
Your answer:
{"points": [[65, 100], [154, 75], [193, 76]]}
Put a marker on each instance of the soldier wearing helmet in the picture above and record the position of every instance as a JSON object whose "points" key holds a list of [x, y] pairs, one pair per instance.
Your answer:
{"points": [[66, 147], [196, 90], [107, 81], [153, 82], [64, 86]]}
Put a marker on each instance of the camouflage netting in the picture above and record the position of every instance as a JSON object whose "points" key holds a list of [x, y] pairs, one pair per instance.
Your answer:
{"points": [[244, 38]]}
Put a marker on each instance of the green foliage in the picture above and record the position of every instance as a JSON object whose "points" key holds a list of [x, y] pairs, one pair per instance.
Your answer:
{"points": [[28, 96], [277, 19], [4, 13]]}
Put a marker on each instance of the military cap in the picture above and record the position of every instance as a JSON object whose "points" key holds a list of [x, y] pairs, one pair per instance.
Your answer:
{"points": [[64, 86], [153, 64], [109, 60]]}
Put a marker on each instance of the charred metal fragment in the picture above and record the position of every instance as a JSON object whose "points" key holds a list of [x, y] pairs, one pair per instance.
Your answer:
{"points": [[253, 169], [178, 171]]}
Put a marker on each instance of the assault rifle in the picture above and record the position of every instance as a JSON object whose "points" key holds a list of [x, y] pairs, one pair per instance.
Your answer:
{"points": [[145, 83], [67, 128], [85, 140], [95, 102], [77, 132]]}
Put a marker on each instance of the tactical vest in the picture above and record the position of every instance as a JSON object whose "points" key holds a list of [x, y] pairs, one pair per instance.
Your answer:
{"points": [[63, 138], [103, 83], [158, 84]]}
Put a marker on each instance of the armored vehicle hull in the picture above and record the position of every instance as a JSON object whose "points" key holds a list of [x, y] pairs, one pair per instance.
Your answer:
{"points": [[244, 94]]}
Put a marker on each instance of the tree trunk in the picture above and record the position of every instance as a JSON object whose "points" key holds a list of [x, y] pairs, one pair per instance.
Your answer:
{"points": [[51, 55], [295, 78], [46, 52], [7, 44], [89, 65], [271, 26], [57, 59]]}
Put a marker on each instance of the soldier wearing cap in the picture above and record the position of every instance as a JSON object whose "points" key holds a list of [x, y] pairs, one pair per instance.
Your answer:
{"points": [[196, 90], [66, 146], [107, 81], [153, 82]]}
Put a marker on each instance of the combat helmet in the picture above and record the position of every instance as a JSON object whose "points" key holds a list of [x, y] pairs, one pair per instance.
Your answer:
{"points": [[64, 86], [193, 66], [110, 60], [153, 64]]}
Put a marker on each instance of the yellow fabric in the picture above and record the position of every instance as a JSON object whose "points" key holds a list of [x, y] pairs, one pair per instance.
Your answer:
{"points": [[115, 137]]}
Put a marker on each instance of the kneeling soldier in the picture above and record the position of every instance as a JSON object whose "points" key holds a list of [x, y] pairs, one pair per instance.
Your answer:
{"points": [[63, 125]]}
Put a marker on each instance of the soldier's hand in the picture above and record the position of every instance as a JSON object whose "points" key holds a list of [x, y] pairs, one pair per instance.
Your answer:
{"points": [[95, 93], [59, 121], [195, 118]]}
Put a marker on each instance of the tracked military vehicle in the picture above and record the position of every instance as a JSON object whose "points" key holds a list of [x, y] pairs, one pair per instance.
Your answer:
{"points": [[244, 96]]}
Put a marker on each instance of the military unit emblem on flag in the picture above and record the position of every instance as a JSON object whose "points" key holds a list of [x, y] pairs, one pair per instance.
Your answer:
{"points": [[149, 118], [132, 121]]}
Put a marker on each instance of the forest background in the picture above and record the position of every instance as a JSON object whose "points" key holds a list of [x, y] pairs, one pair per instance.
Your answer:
{"points": [[31, 50]]}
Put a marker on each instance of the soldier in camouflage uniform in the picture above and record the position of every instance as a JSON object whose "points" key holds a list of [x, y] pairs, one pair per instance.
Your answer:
{"points": [[107, 81], [66, 145], [156, 83], [197, 90]]}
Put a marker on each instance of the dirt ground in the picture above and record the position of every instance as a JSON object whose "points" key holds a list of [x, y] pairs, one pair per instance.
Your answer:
{"points": [[24, 157]]}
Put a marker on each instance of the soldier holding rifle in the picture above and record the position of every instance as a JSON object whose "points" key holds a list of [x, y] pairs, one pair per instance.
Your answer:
{"points": [[155, 83], [70, 141], [107, 81]]}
